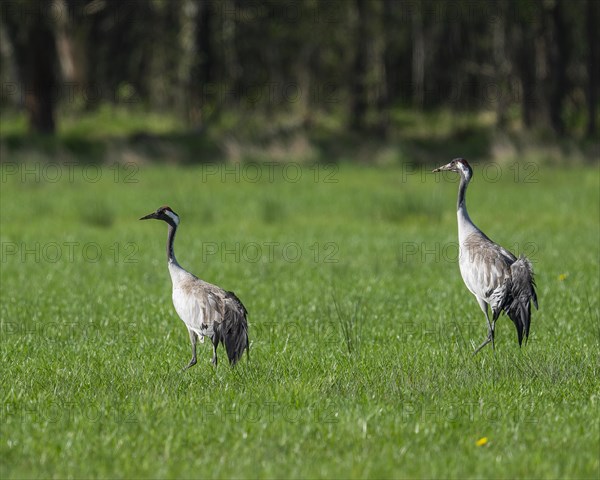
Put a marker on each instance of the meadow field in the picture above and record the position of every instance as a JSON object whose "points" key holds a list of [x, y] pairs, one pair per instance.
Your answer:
{"points": [[361, 329]]}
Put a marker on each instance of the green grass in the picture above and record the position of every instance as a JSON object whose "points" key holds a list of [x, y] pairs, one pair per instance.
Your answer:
{"points": [[361, 328]]}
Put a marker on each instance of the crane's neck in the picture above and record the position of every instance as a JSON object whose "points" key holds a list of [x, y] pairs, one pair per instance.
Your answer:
{"points": [[465, 224], [170, 240], [176, 271], [462, 191]]}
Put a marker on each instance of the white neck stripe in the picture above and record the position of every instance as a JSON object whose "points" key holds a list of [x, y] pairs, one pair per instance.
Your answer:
{"points": [[173, 216]]}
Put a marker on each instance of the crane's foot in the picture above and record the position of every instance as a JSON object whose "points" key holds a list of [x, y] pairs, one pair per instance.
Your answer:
{"points": [[191, 364], [489, 339]]}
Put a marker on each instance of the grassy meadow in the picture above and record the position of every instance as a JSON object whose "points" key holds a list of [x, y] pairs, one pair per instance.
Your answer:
{"points": [[362, 331]]}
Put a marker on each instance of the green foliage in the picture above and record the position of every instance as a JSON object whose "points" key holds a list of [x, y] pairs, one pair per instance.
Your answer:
{"points": [[92, 349], [115, 134], [203, 62]]}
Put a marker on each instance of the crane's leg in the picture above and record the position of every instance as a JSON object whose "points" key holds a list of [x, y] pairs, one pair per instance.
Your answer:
{"points": [[494, 319], [215, 341], [490, 338], [193, 339]]}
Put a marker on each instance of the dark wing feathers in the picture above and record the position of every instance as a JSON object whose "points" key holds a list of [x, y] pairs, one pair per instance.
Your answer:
{"points": [[234, 329], [521, 293]]}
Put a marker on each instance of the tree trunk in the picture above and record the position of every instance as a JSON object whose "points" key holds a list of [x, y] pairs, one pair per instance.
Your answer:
{"points": [[35, 56], [187, 45], [358, 97], [65, 45], [40, 77], [230, 97], [558, 67], [593, 65], [203, 72], [502, 66], [388, 57], [387, 77], [204, 44], [418, 59], [525, 60]]}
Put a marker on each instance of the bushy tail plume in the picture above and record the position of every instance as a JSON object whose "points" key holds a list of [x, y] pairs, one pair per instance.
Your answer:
{"points": [[234, 331], [522, 292]]}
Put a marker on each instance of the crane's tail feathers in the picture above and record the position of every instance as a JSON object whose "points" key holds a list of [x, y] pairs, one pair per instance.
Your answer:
{"points": [[522, 293], [235, 329]]}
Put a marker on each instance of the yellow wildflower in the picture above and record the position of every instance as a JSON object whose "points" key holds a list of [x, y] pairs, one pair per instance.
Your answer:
{"points": [[481, 442]]}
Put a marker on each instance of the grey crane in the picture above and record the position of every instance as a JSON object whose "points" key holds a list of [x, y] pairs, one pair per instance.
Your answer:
{"points": [[494, 275], [206, 310]]}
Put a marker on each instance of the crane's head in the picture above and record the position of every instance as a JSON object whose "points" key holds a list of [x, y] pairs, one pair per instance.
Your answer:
{"points": [[458, 165], [164, 213]]}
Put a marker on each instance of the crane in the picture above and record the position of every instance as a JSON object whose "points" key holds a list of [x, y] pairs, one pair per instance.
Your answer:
{"points": [[494, 275], [207, 310]]}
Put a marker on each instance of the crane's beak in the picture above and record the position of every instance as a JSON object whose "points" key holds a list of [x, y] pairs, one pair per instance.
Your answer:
{"points": [[448, 166], [151, 215]]}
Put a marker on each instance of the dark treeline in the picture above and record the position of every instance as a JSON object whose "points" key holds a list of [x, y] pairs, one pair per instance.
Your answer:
{"points": [[536, 61]]}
